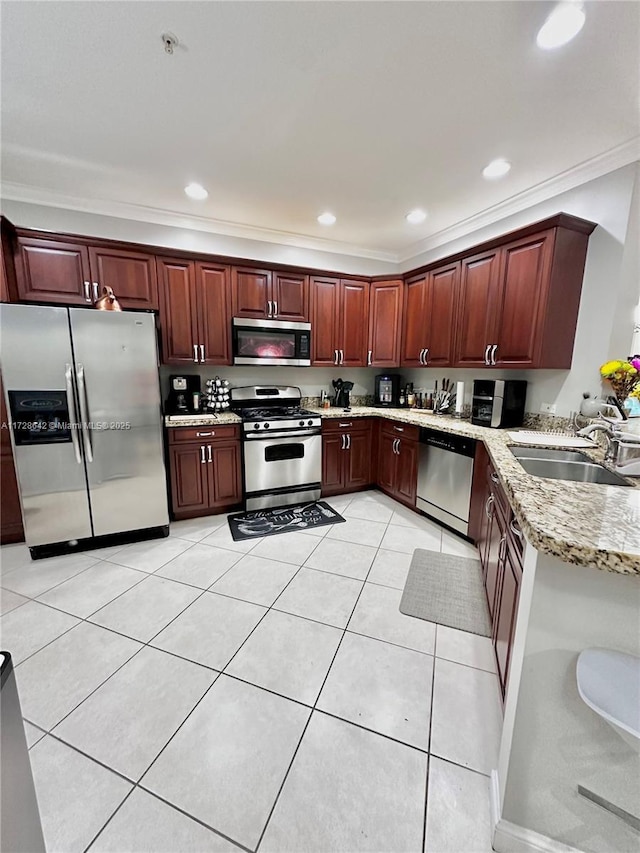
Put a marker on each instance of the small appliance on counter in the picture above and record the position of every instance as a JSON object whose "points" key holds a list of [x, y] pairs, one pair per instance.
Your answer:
{"points": [[387, 390], [184, 392], [498, 403]]}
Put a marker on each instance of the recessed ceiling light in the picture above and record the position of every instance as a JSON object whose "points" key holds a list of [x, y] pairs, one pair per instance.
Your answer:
{"points": [[326, 218], [563, 24], [196, 191], [415, 217], [497, 168]]}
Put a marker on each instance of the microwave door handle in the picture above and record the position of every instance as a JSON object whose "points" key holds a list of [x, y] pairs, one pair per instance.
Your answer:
{"points": [[72, 414], [84, 413]]}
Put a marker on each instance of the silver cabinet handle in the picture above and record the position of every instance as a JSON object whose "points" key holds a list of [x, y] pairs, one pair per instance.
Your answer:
{"points": [[502, 548], [87, 292], [204, 434], [72, 413], [489, 506], [348, 442], [84, 413], [494, 350], [426, 356], [341, 357], [515, 529], [343, 443], [399, 429], [195, 353], [420, 356], [335, 356], [396, 446], [270, 310], [202, 353], [210, 457], [275, 309], [369, 357], [486, 354], [202, 459], [344, 425], [494, 477], [95, 291]]}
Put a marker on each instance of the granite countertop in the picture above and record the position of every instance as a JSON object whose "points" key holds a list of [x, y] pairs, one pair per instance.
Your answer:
{"points": [[580, 523], [201, 420]]}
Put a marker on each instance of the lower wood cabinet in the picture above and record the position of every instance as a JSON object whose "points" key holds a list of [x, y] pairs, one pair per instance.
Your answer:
{"points": [[346, 455], [206, 470], [398, 461], [500, 544]]}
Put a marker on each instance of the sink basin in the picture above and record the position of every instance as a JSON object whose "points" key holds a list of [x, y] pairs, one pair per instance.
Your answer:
{"points": [[578, 468], [551, 454]]}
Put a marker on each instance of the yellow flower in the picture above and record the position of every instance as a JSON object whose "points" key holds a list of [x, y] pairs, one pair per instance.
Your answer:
{"points": [[610, 368]]}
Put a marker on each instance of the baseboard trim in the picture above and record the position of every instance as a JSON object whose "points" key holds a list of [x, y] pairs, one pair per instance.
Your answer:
{"points": [[510, 838]]}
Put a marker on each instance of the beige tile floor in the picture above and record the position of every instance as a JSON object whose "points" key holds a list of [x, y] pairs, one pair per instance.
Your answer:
{"points": [[195, 694]]}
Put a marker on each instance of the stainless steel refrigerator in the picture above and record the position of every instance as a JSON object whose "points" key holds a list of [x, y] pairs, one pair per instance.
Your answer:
{"points": [[83, 398]]}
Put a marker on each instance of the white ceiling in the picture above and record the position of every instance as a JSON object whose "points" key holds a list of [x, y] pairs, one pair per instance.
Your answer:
{"points": [[285, 109]]}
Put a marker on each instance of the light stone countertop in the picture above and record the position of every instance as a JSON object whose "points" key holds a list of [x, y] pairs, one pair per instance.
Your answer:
{"points": [[580, 523]]}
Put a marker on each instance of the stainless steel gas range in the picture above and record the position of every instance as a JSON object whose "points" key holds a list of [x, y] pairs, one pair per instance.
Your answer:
{"points": [[282, 446]]}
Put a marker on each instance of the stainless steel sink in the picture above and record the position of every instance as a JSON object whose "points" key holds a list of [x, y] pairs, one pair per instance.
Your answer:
{"points": [[565, 465]]}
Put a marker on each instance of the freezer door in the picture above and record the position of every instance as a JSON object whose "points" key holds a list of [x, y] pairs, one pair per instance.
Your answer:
{"points": [[38, 376], [116, 364]]}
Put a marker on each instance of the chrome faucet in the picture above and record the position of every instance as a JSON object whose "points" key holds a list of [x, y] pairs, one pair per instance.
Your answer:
{"points": [[611, 431], [623, 448]]}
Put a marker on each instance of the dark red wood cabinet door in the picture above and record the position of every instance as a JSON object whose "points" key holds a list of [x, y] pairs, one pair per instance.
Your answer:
{"points": [[189, 478], [131, 275], [178, 315], [524, 280], [414, 332], [385, 316], [496, 542], [225, 477], [213, 313], [250, 292], [325, 305], [358, 459], [354, 323], [476, 320], [53, 271], [332, 463], [442, 292], [386, 472], [290, 297], [407, 471], [505, 619]]}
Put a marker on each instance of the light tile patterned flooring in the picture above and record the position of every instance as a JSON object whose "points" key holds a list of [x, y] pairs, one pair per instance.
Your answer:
{"points": [[196, 694]]}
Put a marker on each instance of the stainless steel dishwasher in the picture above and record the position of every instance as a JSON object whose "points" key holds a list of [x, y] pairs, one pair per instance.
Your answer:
{"points": [[445, 471]]}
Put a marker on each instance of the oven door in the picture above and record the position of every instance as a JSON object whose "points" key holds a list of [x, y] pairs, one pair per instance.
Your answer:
{"points": [[271, 342], [287, 462]]}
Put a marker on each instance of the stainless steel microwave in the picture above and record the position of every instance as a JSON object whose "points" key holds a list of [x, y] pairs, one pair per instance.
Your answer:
{"points": [[271, 342]]}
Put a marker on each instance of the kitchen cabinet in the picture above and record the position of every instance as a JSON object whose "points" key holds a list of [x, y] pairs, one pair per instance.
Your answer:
{"points": [[339, 319], [385, 323], [74, 273], [506, 612], [346, 455], [194, 312], [397, 472], [428, 328], [206, 470], [263, 294], [480, 278]]}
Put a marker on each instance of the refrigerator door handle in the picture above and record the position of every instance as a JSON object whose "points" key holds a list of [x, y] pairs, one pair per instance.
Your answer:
{"points": [[72, 414], [84, 414]]}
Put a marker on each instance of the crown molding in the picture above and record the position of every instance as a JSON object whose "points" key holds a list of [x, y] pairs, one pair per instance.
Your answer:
{"points": [[622, 155], [582, 173], [157, 216]]}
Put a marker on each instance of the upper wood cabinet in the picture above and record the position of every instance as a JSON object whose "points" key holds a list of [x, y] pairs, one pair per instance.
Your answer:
{"points": [[194, 312], [476, 321], [385, 319], [263, 294], [428, 328], [339, 321], [74, 273], [131, 275]]}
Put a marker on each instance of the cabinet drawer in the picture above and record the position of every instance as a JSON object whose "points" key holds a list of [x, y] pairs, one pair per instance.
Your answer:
{"points": [[400, 430], [345, 424], [181, 435]]}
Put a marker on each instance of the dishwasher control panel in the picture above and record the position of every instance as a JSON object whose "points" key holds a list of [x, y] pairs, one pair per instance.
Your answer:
{"points": [[454, 443]]}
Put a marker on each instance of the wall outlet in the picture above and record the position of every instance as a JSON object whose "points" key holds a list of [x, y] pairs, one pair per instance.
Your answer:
{"points": [[547, 408]]}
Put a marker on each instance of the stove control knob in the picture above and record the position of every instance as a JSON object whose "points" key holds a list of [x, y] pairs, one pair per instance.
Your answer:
{"points": [[266, 426], [301, 423], [310, 423], [256, 426]]}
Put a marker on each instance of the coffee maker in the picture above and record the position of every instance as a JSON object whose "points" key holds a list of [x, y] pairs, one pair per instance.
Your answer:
{"points": [[182, 390], [387, 390]]}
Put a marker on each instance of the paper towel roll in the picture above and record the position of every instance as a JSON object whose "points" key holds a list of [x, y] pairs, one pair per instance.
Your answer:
{"points": [[459, 397]]}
